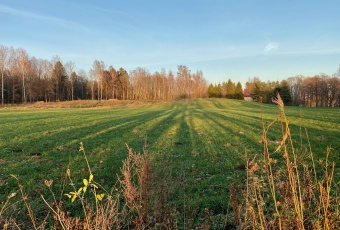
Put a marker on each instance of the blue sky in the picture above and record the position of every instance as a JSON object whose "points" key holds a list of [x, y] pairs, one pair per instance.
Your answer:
{"points": [[225, 39]]}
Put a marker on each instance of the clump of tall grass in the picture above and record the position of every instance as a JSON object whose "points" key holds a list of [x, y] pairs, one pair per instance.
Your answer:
{"points": [[135, 187], [285, 190]]}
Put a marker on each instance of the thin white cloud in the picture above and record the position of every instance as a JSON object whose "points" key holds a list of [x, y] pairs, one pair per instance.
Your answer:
{"points": [[316, 51], [110, 11], [119, 16], [271, 46], [27, 14], [173, 54]]}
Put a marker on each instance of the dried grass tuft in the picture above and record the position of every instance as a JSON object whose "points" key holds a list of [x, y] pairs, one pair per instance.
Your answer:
{"points": [[281, 193]]}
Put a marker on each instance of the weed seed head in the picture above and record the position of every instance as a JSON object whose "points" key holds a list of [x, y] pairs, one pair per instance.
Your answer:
{"points": [[48, 183], [279, 102]]}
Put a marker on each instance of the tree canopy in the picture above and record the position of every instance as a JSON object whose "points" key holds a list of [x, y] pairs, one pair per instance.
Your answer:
{"points": [[227, 90]]}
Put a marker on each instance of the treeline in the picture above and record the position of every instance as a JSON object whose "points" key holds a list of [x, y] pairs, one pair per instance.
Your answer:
{"points": [[226, 89], [25, 78], [28, 79], [319, 90], [316, 91], [267, 91]]}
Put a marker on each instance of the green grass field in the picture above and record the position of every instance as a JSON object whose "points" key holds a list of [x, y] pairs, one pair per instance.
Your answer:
{"points": [[196, 146]]}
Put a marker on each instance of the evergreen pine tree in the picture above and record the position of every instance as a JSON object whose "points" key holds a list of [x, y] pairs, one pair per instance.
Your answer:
{"points": [[230, 89], [211, 90], [218, 90], [239, 91], [283, 90]]}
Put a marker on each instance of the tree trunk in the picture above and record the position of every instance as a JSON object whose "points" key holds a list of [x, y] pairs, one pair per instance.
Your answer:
{"points": [[23, 88], [2, 87]]}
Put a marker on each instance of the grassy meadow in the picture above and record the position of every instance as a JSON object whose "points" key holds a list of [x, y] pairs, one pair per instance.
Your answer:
{"points": [[197, 149]]}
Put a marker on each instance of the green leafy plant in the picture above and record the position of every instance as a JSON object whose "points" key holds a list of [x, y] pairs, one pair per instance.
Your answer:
{"points": [[87, 183]]}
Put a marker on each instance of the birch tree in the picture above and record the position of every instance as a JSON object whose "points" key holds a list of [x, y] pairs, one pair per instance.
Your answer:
{"points": [[97, 70], [23, 62], [69, 69], [3, 60]]}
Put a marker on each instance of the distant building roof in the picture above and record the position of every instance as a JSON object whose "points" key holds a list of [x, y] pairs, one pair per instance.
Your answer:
{"points": [[246, 92]]}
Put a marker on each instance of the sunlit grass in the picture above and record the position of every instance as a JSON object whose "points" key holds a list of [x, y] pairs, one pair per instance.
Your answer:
{"points": [[197, 145]]}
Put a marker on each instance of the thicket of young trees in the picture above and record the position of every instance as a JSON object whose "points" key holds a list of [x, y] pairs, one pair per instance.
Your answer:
{"points": [[320, 90], [27, 79], [226, 89], [266, 91]]}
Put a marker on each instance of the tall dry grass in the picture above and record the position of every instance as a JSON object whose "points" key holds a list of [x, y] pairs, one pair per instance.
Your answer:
{"points": [[286, 192]]}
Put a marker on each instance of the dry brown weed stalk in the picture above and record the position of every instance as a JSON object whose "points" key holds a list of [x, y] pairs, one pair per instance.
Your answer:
{"points": [[280, 193], [135, 183]]}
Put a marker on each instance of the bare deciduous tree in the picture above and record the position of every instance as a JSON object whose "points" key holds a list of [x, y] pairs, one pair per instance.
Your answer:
{"points": [[69, 68], [3, 60], [23, 62], [97, 70]]}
